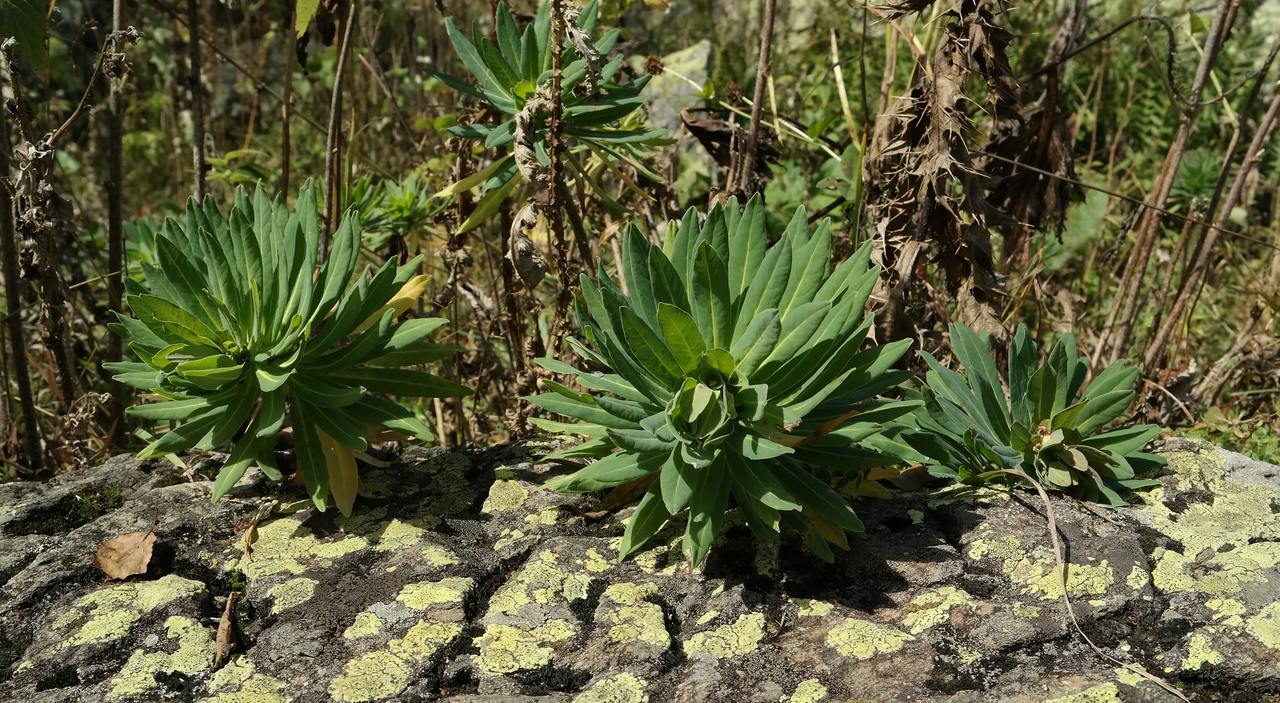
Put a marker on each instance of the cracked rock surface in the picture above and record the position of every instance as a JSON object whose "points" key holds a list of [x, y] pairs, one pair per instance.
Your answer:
{"points": [[461, 579]]}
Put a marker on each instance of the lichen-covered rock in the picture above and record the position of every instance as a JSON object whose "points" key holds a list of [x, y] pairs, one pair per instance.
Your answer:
{"points": [[461, 579]]}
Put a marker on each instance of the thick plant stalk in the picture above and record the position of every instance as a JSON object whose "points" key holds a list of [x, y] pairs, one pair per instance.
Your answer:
{"points": [[555, 216], [333, 145], [744, 174], [1183, 302], [1124, 310], [31, 444], [195, 84], [115, 234]]}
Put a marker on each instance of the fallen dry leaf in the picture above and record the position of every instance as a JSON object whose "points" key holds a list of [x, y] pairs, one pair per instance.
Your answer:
{"points": [[225, 628], [126, 555]]}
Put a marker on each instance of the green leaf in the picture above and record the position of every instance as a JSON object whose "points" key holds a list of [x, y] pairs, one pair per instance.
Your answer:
{"points": [[682, 336], [25, 21], [757, 448], [649, 517], [170, 409], [677, 480], [401, 382], [471, 58], [649, 350], [712, 306], [818, 497], [613, 470], [706, 511]]}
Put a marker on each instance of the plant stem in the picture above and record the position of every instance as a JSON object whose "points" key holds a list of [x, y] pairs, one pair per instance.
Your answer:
{"points": [[1124, 309], [744, 176], [115, 234], [333, 146], [1183, 303], [195, 84], [31, 443], [286, 99]]}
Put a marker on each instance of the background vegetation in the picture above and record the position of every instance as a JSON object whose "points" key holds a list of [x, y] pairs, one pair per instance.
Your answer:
{"points": [[997, 154]]}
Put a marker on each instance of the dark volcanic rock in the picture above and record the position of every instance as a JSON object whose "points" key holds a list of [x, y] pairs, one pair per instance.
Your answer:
{"points": [[460, 579]]}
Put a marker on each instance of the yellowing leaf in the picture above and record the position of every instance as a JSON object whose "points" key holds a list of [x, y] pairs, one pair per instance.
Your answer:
{"points": [[303, 12], [469, 182], [829, 532], [409, 293], [344, 479]]}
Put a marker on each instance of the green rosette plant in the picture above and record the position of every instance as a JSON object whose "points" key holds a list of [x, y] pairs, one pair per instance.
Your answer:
{"points": [[729, 370], [241, 331], [1044, 428], [602, 114]]}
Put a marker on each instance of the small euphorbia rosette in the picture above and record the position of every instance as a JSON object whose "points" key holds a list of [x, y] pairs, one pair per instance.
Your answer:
{"points": [[731, 372], [1044, 428]]}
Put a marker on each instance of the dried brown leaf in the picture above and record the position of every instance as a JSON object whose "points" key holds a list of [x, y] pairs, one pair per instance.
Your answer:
{"points": [[226, 626], [126, 555]]}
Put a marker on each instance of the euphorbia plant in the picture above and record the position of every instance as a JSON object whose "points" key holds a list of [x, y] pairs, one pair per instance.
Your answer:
{"points": [[1044, 428], [240, 332], [729, 369], [601, 117]]}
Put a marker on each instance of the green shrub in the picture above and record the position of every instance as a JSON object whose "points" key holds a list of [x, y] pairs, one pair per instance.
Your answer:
{"points": [[972, 430], [729, 369], [601, 115], [239, 333]]}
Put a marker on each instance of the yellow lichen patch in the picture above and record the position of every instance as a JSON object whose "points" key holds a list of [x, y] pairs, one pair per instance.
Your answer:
{"points": [[109, 613], [619, 688], [505, 648], [863, 639], [1128, 676], [1265, 626], [238, 683], [629, 593], [366, 624], [385, 672], [917, 516], [1037, 571], [736, 639], [968, 656], [541, 581], [807, 691], [511, 538], [1200, 651], [658, 557], [505, 495], [438, 556], [809, 608], [397, 534], [543, 518], [595, 562], [643, 623], [285, 546], [1138, 578], [708, 616], [1236, 529], [194, 654], [291, 594], [1026, 611], [933, 608], [1106, 693], [420, 596], [1226, 610]]}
